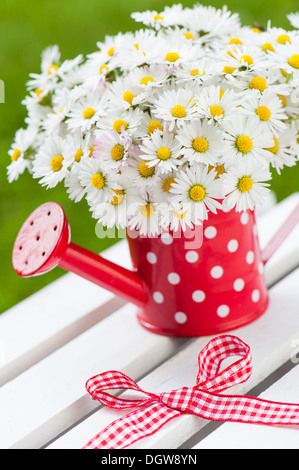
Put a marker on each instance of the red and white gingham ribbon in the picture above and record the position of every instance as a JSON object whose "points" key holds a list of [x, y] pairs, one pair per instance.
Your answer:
{"points": [[201, 400]]}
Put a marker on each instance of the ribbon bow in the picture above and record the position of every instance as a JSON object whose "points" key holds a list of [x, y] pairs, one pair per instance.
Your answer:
{"points": [[202, 400]]}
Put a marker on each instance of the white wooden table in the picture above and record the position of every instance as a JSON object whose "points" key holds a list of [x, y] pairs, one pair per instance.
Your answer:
{"points": [[53, 341]]}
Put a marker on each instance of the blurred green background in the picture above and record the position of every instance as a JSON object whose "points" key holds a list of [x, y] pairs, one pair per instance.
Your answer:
{"points": [[26, 28]]}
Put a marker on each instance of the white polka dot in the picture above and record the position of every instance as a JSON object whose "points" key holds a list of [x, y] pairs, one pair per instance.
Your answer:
{"points": [[217, 272], [223, 311], [232, 246], [198, 296], [173, 278], [191, 256], [158, 297], [166, 238], [180, 317], [250, 257], [244, 218], [210, 232], [151, 257], [255, 296], [239, 285]]}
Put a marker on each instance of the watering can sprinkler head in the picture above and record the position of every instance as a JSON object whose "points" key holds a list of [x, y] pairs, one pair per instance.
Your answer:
{"points": [[43, 243]]}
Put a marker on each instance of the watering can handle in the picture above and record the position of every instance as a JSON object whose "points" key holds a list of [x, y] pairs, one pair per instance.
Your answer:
{"points": [[281, 235]]}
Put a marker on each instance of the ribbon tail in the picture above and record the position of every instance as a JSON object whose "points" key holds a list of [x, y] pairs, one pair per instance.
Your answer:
{"points": [[243, 409], [134, 426]]}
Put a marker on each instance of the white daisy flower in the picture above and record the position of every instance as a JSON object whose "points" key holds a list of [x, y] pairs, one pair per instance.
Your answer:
{"points": [[146, 219], [196, 190], [286, 57], [263, 81], [99, 184], [218, 104], [164, 184], [211, 22], [52, 161], [112, 148], [283, 151], [161, 149], [175, 107], [246, 139], [202, 142], [268, 107], [149, 76], [117, 211], [86, 112], [22, 152], [118, 120], [168, 17], [147, 125], [73, 183], [245, 186], [244, 58], [140, 174], [123, 94]]}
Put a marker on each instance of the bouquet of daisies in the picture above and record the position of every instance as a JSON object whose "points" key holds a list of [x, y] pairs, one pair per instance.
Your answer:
{"points": [[157, 127]]}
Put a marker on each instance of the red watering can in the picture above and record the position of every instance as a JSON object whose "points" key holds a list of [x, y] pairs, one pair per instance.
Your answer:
{"points": [[182, 287]]}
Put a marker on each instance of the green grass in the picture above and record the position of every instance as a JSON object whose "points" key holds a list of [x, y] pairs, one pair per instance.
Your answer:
{"points": [[26, 28]]}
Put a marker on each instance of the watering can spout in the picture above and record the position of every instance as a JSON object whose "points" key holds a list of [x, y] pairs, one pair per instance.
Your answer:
{"points": [[43, 243]]}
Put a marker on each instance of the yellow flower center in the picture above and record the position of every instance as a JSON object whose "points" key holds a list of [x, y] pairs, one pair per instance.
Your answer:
{"points": [[118, 198], [78, 155], [163, 153], [153, 125], [235, 41], [52, 68], [218, 168], [118, 124], [188, 35], [15, 155], [158, 17], [103, 68], [180, 216], [147, 210], [263, 113], [178, 111], [284, 73], [38, 91], [256, 30], [91, 150], [258, 83], [216, 110], [228, 69], [283, 100], [145, 80], [297, 139], [146, 171], [194, 72], [200, 144], [283, 38], [168, 183], [128, 97], [246, 58], [98, 181], [268, 47], [88, 113], [56, 163], [197, 193], [244, 143], [172, 56], [117, 152], [275, 146], [245, 184], [294, 61], [221, 93], [110, 52]]}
